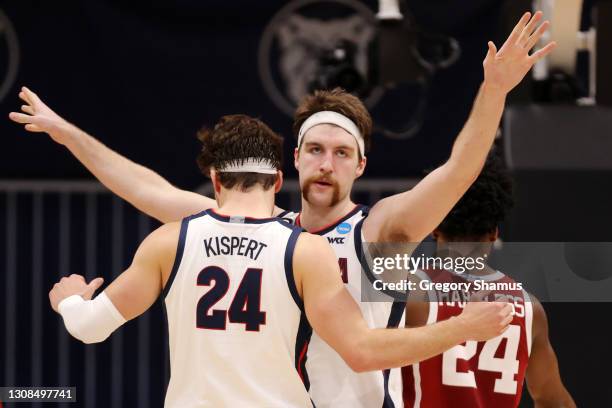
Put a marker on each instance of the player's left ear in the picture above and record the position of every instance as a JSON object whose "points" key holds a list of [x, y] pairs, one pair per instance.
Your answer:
{"points": [[279, 181], [361, 167]]}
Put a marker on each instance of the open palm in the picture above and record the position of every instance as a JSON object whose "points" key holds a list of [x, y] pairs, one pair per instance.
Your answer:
{"points": [[505, 68]]}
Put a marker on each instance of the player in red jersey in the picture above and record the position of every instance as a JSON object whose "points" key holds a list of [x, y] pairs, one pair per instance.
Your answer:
{"points": [[491, 373]]}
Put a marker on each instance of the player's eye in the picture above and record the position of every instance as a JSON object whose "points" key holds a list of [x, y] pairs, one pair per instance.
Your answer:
{"points": [[315, 149], [342, 153]]}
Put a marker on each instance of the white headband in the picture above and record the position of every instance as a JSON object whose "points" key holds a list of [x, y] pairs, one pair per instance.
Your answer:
{"points": [[249, 165], [332, 118]]}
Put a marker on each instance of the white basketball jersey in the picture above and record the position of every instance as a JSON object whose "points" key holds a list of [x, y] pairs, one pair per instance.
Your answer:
{"points": [[330, 381], [235, 319]]}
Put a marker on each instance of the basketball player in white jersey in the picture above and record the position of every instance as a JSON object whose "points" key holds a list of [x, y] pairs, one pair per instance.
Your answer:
{"points": [[238, 285], [333, 130], [492, 373]]}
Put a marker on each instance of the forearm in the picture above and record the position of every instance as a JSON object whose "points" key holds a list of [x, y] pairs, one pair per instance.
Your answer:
{"points": [[476, 138], [90, 321], [562, 400], [547, 389], [388, 348], [140, 186], [410, 216], [121, 175]]}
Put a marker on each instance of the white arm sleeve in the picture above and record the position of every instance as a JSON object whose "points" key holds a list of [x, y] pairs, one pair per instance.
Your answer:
{"points": [[90, 321]]}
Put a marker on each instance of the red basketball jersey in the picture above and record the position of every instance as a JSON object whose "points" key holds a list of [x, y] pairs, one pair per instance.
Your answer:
{"points": [[473, 374]]}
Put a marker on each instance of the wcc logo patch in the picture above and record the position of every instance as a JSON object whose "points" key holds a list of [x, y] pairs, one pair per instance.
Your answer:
{"points": [[336, 240]]}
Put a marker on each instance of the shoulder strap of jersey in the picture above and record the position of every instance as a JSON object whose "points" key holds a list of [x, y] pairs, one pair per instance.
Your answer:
{"points": [[289, 251], [180, 249]]}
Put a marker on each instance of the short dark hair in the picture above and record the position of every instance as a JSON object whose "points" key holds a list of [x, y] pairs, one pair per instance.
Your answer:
{"points": [[484, 205], [336, 100], [233, 139]]}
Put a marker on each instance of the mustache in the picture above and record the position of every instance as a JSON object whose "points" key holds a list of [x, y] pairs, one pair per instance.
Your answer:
{"points": [[324, 178]]}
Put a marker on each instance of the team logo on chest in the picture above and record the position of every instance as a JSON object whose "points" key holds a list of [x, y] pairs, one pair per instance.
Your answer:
{"points": [[344, 228], [336, 240]]}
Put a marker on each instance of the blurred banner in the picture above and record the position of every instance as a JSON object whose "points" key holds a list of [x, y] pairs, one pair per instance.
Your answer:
{"points": [[145, 76]]}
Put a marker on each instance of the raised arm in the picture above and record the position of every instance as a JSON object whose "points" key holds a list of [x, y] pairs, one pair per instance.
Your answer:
{"points": [[336, 317], [543, 378], [128, 296], [411, 215], [140, 186]]}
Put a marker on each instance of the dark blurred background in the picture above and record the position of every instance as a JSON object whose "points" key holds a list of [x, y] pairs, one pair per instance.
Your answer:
{"points": [[143, 77]]}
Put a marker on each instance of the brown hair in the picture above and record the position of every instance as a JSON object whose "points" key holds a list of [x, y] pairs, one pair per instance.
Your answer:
{"points": [[337, 100], [233, 139]]}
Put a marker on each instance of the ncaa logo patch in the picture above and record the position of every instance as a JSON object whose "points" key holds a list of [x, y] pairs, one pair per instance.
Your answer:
{"points": [[344, 228]]}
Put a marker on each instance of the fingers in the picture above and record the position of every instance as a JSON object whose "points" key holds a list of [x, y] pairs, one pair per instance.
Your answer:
{"points": [[24, 97], [28, 120], [53, 299], [92, 287], [529, 28], [518, 28], [479, 296], [542, 52], [32, 97], [506, 322], [21, 118], [535, 37], [33, 128], [96, 282], [80, 277], [507, 309], [27, 109], [505, 312], [492, 50]]}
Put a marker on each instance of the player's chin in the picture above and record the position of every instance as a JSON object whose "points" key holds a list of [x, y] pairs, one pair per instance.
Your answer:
{"points": [[320, 198]]}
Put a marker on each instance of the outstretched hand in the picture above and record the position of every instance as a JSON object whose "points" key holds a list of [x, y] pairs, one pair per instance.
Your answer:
{"points": [[38, 117], [505, 68]]}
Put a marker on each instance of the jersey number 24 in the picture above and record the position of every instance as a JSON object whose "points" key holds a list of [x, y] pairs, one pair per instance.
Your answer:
{"points": [[508, 365], [245, 307]]}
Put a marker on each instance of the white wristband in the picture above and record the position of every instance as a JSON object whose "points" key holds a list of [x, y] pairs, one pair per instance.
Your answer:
{"points": [[90, 321]]}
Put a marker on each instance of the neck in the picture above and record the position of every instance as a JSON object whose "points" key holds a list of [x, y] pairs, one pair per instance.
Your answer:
{"points": [[255, 203], [314, 218]]}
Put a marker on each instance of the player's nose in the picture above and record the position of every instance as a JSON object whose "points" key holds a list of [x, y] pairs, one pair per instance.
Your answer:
{"points": [[326, 165]]}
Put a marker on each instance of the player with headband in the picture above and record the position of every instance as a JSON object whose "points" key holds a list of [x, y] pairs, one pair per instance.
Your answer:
{"points": [[239, 342], [329, 157]]}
